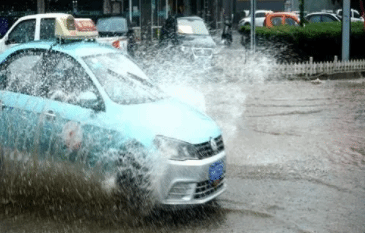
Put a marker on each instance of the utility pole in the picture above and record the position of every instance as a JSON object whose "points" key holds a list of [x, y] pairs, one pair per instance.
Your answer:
{"points": [[40, 6], [234, 11], [346, 30], [253, 29], [146, 14], [301, 12]]}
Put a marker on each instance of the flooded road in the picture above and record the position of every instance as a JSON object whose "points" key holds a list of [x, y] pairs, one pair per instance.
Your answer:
{"points": [[297, 155], [296, 163]]}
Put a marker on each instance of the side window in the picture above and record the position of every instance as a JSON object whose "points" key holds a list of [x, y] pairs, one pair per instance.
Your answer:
{"points": [[260, 14], [67, 79], [326, 19], [290, 22], [23, 32], [356, 14], [276, 21], [315, 19], [47, 29], [21, 74]]}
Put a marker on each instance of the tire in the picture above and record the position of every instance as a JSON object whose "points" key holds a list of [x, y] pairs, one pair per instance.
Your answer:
{"points": [[134, 180]]}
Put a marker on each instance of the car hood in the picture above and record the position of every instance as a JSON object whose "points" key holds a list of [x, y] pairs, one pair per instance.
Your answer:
{"points": [[169, 117], [197, 41]]}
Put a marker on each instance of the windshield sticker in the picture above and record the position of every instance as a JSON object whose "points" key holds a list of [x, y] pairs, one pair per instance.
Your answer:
{"points": [[185, 29]]}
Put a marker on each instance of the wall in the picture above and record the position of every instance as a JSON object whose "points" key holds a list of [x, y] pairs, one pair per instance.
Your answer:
{"points": [[260, 4]]}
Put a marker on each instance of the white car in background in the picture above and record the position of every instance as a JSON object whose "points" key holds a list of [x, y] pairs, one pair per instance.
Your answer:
{"points": [[259, 19], [319, 17], [355, 15]]}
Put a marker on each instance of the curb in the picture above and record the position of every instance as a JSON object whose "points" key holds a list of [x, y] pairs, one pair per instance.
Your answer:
{"points": [[332, 76]]}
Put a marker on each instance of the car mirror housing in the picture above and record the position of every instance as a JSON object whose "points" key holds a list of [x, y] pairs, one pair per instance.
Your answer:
{"points": [[87, 96], [89, 99], [7, 41]]}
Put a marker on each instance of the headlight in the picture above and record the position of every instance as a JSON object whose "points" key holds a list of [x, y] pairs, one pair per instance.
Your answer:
{"points": [[174, 149]]}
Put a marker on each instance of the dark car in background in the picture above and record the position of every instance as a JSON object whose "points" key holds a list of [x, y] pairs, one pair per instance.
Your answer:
{"points": [[117, 31], [191, 38]]}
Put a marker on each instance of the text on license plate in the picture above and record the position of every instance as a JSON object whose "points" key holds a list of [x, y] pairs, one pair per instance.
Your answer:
{"points": [[216, 171]]}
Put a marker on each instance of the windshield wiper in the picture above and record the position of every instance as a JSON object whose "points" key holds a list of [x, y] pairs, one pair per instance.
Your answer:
{"points": [[116, 75], [143, 81], [133, 76]]}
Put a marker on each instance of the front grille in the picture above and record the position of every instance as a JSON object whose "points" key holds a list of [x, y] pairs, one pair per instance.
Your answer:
{"points": [[206, 150], [206, 188]]}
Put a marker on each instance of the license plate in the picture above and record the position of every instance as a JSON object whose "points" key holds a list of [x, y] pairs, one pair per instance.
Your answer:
{"points": [[216, 171]]}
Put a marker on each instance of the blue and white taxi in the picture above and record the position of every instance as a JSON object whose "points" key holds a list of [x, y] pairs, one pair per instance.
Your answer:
{"points": [[82, 101]]}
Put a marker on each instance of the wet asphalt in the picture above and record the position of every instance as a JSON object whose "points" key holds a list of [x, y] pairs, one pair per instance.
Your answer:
{"points": [[295, 161]]}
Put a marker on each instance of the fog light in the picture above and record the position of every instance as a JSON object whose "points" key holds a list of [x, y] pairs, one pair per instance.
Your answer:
{"points": [[182, 191]]}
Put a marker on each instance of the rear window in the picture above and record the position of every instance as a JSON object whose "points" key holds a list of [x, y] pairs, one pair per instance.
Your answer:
{"points": [[192, 27], [114, 24]]}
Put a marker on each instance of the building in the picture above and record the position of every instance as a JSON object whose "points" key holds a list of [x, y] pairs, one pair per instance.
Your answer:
{"points": [[315, 5], [274, 5], [147, 15]]}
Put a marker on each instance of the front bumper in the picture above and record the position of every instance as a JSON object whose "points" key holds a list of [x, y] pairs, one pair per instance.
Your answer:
{"points": [[188, 182]]}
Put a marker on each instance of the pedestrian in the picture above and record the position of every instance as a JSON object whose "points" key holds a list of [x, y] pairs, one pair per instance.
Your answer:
{"points": [[181, 10]]}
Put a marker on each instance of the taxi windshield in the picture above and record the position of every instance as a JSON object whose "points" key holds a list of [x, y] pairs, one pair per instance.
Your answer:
{"points": [[123, 80], [192, 27]]}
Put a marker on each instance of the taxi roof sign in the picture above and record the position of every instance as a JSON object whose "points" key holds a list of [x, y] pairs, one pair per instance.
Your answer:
{"points": [[67, 27]]}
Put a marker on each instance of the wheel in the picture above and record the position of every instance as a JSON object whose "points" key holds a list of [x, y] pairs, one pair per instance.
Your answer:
{"points": [[133, 178]]}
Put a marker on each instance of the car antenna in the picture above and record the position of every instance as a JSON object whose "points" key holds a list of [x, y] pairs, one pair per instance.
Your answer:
{"points": [[53, 44]]}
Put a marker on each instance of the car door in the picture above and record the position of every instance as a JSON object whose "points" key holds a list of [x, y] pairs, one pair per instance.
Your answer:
{"points": [[21, 101], [259, 20], [23, 32], [73, 121]]}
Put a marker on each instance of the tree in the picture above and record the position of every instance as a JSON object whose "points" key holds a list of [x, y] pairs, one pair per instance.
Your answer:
{"points": [[301, 12]]}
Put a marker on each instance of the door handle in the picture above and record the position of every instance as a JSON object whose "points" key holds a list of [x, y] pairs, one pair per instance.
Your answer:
{"points": [[50, 115]]}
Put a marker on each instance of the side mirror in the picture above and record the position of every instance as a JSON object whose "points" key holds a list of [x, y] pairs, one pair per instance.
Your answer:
{"points": [[7, 41], [87, 96], [89, 99]]}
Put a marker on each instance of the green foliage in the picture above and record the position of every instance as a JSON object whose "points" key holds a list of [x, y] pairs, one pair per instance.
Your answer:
{"points": [[319, 40]]}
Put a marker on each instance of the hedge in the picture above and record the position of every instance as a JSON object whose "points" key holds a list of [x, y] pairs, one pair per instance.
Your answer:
{"points": [[322, 41]]}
